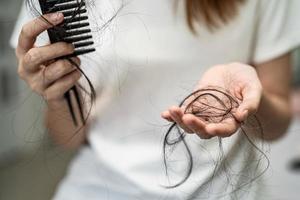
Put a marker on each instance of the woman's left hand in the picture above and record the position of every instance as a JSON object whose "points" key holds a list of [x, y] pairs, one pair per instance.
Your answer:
{"points": [[241, 81]]}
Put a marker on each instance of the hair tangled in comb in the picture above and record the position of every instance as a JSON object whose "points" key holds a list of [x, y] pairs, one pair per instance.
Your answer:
{"points": [[59, 33]]}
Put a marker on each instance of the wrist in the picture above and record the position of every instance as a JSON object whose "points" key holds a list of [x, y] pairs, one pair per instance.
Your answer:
{"points": [[274, 114], [58, 104]]}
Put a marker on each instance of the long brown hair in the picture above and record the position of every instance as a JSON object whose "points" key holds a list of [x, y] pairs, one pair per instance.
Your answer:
{"points": [[212, 13]]}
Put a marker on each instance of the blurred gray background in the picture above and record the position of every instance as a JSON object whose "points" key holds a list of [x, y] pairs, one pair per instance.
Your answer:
{"points": [[31, 166]]}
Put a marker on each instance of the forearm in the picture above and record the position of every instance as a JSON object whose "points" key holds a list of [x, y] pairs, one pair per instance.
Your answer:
{"points": [[274, 114], [61, 127]]}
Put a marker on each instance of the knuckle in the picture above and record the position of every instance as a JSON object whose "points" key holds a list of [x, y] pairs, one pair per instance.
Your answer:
{"points": [[60, 68], [31, 56], [63, 66], [26, 30], [70, 81], [66, 64], [59, 65], [49, 73], [27, 58]]}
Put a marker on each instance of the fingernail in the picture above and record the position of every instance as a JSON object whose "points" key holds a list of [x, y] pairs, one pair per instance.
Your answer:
{"points": [[72, 47], [56, 16]]}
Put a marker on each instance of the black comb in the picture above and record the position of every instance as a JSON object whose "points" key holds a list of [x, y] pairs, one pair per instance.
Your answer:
{"points": [[74, 29]]}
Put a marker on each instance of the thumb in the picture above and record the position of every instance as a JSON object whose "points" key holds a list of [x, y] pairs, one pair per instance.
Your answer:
{"points": [[250, 103]]}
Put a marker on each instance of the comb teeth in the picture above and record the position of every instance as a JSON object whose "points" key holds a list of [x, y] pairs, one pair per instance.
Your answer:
{"points": [[82, 52], [67, 6], [58, 1], [75, 19], [71, 13], [77, 32], [77, 39], [74, 28], [83, 44]]}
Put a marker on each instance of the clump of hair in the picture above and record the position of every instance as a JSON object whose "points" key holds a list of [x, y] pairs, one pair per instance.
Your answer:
{"points": [[214, 105]]}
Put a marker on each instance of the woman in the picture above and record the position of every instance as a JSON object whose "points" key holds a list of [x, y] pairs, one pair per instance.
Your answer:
{"points": [[150, 60]]}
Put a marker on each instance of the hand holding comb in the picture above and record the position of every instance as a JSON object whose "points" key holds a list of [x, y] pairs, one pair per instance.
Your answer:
{"points": [[75, 30]]}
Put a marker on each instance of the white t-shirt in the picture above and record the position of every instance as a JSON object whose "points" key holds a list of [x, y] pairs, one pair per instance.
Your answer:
{"points": [[147, 59]]}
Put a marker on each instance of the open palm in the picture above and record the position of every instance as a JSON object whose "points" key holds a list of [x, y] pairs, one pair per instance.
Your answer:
{"points": [[240, 81]]}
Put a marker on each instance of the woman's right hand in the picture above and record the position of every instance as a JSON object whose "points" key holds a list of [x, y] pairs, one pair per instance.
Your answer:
{"points": [[37, 66]]}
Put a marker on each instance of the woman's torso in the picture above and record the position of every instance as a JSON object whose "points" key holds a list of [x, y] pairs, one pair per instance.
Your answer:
{"points": [[150, 60]]}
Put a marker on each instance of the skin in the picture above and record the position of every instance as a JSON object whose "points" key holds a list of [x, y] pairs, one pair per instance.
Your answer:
{"points": [[50, 78], [263, 89]]}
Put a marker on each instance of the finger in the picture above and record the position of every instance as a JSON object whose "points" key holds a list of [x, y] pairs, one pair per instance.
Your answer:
{"points": [[57, 90], [225, 128], [196, 125], [58, 69], [176, 114], [250, 103], [167, 116], [39, 55], [32, 29]]}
